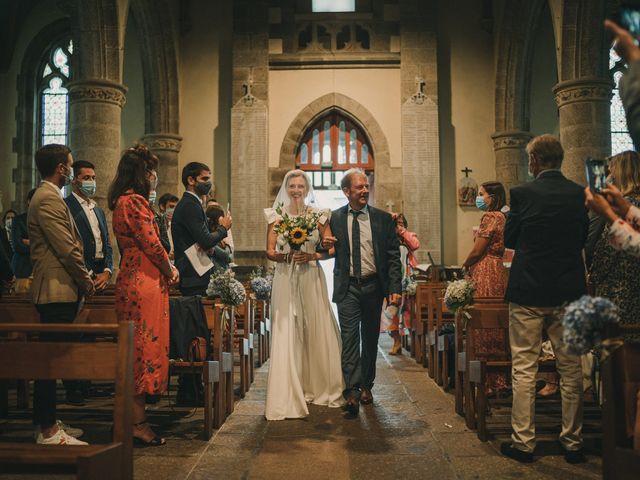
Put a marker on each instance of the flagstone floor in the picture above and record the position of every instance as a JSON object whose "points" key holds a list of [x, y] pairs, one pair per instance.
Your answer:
{"points": [[411, 431]]}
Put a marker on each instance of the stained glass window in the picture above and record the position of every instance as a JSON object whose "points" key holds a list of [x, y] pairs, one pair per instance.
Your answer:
{"points": [[620, 139], [54, 96], [331, 145], [333, 6]]}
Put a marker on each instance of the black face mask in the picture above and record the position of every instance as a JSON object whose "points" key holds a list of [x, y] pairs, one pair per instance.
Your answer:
{"points": [[203, 188]]}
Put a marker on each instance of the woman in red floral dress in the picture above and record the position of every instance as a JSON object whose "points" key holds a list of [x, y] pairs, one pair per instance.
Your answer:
{"points": [[142, 294], [487, 270]]}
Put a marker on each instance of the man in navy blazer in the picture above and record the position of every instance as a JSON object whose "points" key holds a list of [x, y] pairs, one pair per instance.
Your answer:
{"points": [[367, 270], [91, 222], [547, 227], [190, 225]]}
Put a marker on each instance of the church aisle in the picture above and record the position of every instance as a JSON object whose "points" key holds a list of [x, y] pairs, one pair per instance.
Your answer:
{"points": [[411, 431]]}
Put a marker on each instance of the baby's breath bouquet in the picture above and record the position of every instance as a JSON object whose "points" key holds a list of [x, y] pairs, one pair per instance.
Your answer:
{"points": [[459, 294], [261, 285], [223, 285], [584, 322], [296, 229], [409, 286]]}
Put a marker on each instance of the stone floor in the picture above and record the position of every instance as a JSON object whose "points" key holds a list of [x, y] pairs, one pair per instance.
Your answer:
{"points": [[411, 431]]}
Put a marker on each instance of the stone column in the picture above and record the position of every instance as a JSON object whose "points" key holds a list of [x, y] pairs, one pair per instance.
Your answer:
{"points": [[166, 147], [95, 108], [585, 122], [511, 157]]}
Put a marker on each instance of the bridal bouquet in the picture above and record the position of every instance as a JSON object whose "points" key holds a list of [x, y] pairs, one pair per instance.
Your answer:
{"points": [[459, 294], [224, 285], [296, 229], [584, 322], [261, 285]]}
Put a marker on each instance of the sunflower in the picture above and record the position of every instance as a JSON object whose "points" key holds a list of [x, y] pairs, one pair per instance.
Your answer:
{"points": [[298, 236]]}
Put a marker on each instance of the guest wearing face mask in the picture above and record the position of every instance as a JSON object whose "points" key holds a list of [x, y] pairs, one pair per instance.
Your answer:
{"points": [[190, 226], [484, 263], [5, 235], [153, 196], [91, 222], [98, 259], [21, 260], [167, 205]]}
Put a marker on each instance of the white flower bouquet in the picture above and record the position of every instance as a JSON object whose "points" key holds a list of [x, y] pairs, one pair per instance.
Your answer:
{"points": [[295, 230], [584, 322], [459, 294], [223, 285]]}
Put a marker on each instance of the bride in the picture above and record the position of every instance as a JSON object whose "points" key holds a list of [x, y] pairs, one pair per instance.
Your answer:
{"points": [[305, 350]]}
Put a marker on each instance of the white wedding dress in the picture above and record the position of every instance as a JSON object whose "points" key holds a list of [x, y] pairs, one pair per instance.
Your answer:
{"points": [[305, 365]]}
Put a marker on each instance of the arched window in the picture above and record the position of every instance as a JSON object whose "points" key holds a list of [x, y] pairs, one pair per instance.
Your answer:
{"points": [[336, 144], [620, 139], [53, 126]]}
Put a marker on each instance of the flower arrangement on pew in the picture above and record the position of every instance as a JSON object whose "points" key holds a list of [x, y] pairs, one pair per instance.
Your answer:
{"points": [[296, 230], [459, 295], [584, 322], [231, 292], [261, 285]]}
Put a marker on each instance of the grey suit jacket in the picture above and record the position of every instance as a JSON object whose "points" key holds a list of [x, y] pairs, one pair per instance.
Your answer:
{"points": [[59, 273], [386, 249]]}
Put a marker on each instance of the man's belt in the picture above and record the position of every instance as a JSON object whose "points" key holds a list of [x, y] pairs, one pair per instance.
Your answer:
{"points": [[364, 280]]}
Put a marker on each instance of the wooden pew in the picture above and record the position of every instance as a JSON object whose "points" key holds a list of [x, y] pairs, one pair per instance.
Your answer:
{"points": [[53, 360], [260, 314], [434, 292], [441, 352], [244, 327], [621, 399]]}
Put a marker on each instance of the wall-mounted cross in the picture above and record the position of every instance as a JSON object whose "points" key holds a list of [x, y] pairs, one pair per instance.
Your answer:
{"points": [[466, 171]]}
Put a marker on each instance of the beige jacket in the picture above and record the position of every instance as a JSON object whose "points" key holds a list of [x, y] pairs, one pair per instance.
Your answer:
{"points": [[59, 273]]}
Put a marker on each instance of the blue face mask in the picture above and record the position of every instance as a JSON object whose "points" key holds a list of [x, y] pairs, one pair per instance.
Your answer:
{"points": [[480, 203], [88, 187]]}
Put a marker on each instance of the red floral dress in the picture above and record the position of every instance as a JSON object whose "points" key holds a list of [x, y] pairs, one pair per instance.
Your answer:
{"points": [[490, 278], [142, 295]]}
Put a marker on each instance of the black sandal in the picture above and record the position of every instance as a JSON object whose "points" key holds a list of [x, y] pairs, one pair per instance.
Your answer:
{"points": [[156, 441]]}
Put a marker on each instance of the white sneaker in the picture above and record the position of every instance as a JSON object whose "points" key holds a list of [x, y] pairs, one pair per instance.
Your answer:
{"points": [[74, 432], [59, 438]]}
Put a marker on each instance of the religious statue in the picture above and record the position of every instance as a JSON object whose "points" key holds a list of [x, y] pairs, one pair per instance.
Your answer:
{"points": [[467, 190]]}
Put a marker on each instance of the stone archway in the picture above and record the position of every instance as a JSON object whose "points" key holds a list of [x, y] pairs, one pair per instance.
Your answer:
{"points": [[513, 82], [386, 178], [158, 34]]}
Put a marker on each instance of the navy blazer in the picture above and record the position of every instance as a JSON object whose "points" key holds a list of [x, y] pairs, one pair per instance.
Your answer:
{"points": [[547, 227], [386, 249], [188, 226], [84, 227], [21, 260]]}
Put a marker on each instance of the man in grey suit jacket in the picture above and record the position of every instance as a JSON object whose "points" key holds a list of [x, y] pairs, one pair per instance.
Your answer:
{"points": [[60, 278], [367, 269]]}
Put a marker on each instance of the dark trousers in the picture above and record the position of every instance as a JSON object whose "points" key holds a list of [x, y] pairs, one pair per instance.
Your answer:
{"points": [[190, 385], [44, 391], [359, 315]]}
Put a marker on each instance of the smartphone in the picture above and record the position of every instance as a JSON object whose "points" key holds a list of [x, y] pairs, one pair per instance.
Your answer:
{"points": [[597, 172]]}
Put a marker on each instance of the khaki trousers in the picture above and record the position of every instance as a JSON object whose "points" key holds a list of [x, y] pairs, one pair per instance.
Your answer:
{"points": [[525, 336]]}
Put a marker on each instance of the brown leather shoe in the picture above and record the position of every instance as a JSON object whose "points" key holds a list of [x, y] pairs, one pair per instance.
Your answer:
{"points": [[366, 398]]}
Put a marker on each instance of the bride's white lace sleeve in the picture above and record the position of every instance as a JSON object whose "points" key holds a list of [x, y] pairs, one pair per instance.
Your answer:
{"points": [[325, 216], [270, 215]]}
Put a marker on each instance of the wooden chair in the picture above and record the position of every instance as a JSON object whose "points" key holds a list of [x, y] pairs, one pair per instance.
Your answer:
{"points": [[52, 360], [621, 413]]}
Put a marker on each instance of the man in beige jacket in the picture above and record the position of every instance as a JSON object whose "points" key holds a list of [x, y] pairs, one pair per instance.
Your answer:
{"points": [[60, 278]]}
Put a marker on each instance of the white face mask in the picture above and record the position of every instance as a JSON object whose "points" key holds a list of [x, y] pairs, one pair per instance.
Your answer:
{"points": [[152, 196]]}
